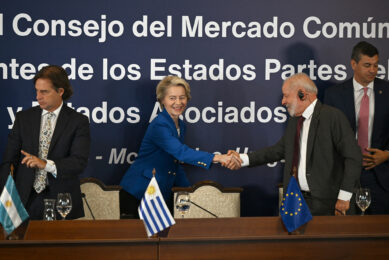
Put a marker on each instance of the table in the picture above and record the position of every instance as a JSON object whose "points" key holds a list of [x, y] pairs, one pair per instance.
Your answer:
{"points": [[83, 239], [345, 237]]}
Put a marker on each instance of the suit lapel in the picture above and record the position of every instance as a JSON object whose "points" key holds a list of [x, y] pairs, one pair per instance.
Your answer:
{"points": [[60, 126], [348, 96], [312, 130], [35, 130], [379, 109], [170, 121]]}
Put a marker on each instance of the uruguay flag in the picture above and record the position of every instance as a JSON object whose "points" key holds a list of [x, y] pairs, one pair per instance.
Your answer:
{"points": [[153, 210], [12, 211]]}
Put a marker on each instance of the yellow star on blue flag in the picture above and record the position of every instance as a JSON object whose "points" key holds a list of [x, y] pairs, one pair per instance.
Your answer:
{"points": [[294, 211]]}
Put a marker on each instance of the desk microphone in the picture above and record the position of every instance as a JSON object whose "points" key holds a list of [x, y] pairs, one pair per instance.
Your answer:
{"points": [[87, 204], [203, 209]]}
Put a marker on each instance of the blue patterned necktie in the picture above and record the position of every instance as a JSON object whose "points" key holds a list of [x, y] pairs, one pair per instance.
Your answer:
{"points": [[44, 144]]}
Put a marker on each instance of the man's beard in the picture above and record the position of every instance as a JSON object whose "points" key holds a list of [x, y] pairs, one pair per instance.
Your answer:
{"points": [[292, 108]]}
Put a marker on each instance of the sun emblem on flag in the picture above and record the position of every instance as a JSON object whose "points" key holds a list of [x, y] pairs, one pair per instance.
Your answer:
{"points": [[151, 190], [8, 203]]}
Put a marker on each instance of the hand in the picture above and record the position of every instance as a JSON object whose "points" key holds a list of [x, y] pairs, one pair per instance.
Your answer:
{"points": [[374, 158], [227, 161], [236, 162], [32, 161], [341, 207]]}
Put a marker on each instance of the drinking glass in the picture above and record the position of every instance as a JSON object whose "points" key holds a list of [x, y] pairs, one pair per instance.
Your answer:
{"points": [[363, 199], [64, 204], [49, 210], [182, 202]]}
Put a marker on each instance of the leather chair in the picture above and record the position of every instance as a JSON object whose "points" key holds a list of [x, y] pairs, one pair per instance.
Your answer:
{"points": [[103, 200], [212, 197]]}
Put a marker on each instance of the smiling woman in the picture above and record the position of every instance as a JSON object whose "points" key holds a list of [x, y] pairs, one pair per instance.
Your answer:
{"points": [[163, 149]]}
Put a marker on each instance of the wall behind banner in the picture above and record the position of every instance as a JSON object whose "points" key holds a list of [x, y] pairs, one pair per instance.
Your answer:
{"points": [[234, 54]]}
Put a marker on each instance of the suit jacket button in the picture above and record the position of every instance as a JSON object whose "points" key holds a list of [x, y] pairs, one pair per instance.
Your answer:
{"points": [[169, 172], [174, 173]]}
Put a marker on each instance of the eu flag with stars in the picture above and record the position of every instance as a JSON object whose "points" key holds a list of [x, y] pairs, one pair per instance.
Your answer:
{"points": [[294, 210]]}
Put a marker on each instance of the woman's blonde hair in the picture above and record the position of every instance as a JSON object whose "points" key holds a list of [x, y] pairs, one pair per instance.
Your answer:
{"points": [[170, 81]]}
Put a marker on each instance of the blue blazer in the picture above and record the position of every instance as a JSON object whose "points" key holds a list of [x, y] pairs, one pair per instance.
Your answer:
{"points": [[163, 150], [342, 97]]}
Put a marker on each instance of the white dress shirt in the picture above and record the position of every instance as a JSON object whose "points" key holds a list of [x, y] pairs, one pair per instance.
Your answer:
{"points": [[307, 114]]}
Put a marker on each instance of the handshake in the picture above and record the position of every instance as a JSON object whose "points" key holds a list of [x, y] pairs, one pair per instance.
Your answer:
{"points": [[231, 160]]}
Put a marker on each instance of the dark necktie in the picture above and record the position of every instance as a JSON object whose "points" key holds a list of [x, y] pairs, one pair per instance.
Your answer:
{"points": [[363, 122], [296, 152]]}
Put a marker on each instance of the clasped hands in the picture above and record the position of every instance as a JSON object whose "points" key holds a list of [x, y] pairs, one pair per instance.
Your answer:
{"points": [[231, 160], [374, 157]]}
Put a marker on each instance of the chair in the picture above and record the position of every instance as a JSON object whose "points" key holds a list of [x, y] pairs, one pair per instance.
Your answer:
{"points": [[103, 200], [223, 202], [280, 195]]}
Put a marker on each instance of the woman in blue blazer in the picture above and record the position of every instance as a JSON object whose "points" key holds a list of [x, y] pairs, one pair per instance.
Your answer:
{"points": [[163, 148]]}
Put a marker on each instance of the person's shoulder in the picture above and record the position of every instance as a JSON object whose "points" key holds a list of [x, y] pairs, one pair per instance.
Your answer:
{"points": [[73, 113], [381, 82], [340, 85], [331, 112], [28, 112]]}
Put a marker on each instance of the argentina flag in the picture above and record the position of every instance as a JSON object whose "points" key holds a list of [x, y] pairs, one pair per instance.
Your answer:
{"points": [[12, 211], [153, 210]]}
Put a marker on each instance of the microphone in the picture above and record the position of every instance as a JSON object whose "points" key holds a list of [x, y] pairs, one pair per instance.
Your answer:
{"points": [[203, 209], [87, 204]]}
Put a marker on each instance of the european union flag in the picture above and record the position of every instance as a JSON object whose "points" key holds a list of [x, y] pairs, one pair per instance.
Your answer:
{"points": [[294, 211]]}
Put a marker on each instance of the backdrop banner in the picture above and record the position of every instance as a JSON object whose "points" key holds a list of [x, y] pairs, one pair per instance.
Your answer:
{"points": [[234, 54]]}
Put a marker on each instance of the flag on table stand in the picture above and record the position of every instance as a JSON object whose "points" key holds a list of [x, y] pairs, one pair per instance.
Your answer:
{"points": [[294, 210], [12, 211], [153, 210]]}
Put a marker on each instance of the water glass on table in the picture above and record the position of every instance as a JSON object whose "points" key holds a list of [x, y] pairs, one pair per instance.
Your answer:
{"points": [[182, 202], [64, 204], [363, 199]]}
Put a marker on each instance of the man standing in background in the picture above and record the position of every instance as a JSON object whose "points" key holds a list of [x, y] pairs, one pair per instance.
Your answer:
{"points": [[365, 101]]}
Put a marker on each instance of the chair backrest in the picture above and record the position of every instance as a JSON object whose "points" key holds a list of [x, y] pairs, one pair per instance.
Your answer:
{"points": [[223, 202], [103, 200], [280, 195]]}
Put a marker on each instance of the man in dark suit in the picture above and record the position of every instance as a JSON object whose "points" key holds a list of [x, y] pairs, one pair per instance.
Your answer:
{"points": [[322, 153], [48, 145], [350, 97]]}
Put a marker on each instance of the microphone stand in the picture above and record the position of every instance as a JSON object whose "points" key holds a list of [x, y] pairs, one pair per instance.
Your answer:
{"points": [[87, 204], [203, 208]]}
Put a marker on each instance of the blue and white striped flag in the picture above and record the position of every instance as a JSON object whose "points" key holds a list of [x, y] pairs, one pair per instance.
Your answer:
{"points": [[153, 210], [12, 211]]}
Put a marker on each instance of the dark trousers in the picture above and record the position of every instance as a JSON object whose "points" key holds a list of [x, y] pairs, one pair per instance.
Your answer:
{"points": [[128, 205], [35, 204], [325, 207], [379, 196]]}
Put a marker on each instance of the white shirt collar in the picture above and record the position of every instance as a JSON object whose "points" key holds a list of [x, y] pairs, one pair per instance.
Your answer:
{"points": [[56, 112], [358, 87], [309, 110]]}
